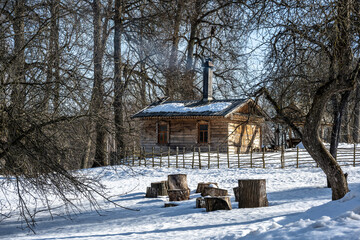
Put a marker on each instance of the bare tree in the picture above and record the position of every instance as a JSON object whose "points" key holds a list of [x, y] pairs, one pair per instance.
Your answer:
{"points": [[300, 38]]}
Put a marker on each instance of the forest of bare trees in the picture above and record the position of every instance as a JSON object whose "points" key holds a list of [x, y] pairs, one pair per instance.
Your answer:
{"points": [[73, 72]]}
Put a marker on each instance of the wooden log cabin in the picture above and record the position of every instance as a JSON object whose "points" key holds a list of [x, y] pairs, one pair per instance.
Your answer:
{"points": [[234, 124]]}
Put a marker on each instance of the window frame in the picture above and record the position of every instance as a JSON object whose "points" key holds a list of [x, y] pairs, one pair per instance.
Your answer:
{"points": [[164, 134], [201, 132]]}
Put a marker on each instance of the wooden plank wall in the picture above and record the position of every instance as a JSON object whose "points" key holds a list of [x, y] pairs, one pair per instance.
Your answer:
{"points": [[184, 133]]}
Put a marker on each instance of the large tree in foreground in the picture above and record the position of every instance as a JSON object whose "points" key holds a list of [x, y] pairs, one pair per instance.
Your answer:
{"points": [[314, 56]]}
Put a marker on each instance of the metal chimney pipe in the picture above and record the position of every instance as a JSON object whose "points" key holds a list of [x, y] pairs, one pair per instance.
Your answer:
{"points": [[207, 80]]}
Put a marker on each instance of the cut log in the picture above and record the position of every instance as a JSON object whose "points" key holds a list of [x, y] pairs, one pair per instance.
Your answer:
{"points": [[201, 186], [214, 192], [161, 187], [178, 194], [151, 192], [252, 193], [177, 181], [171, 205], [236, 194], [217, 203], [200, 202]]}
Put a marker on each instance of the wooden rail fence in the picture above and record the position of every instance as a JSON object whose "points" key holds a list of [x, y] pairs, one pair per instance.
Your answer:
{"points": [[180, 158]]}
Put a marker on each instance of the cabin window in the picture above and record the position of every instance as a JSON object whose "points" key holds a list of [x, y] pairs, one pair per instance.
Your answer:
{"points": [[162, 133], [203, 133]]}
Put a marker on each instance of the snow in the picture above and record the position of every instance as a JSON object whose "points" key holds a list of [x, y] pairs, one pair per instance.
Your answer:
{"points": [[300, 208], [180, 107]]}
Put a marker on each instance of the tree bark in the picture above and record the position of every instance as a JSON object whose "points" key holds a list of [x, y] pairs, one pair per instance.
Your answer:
{"points": [[337, 115], [17, 102], [118, 84], [98, 89], [315, 146]]}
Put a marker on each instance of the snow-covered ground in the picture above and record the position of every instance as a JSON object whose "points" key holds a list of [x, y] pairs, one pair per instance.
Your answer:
{"points": [[300, 208]]}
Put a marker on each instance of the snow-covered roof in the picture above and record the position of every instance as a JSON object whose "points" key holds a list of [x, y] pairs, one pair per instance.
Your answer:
{"points": [[190, 108]]}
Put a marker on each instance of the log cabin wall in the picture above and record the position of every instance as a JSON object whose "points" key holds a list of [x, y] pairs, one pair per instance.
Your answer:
{"points": [[244, 136], [184, 133]]}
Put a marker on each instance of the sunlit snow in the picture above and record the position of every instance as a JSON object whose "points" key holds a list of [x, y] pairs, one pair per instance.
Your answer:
{"points": [[180, 107]]}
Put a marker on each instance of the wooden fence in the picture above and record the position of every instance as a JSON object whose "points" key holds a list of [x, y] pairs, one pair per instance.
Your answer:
{"points": [[183, 158]]}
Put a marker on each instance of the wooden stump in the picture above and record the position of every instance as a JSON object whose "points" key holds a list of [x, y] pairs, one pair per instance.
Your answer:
{"points": [[151, 192], [161, 188], [252, 193], [236, 193], [214, 192], [201, 186], [200, 202], [177, 181], [171, 205], [178, 194], [217, 203]]}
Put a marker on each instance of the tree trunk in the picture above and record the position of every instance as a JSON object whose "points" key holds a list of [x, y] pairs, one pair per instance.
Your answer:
{"points": [[173, 73], [338, 113], [355, 130], [316, 148], [98, 89], [17, 98], [189, 92], [118, 84]]}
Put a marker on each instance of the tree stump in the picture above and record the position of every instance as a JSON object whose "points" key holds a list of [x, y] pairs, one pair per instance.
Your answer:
{"points": [[161, 188], [236, 194], [178, 194], [252, 193], [217, 203], [214, 192], [200, 202], [170, 205], [151, 192], [177, 181], [201, 186]]}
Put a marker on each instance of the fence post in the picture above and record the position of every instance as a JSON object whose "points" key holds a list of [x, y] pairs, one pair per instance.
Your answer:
{"points": [[209, 157], [183, 157], [177, 157], [193, 159], [297, 157], [263, 157], [228, 157], [238, 157], [160, 156], [133, 155], [144, 156], [125, 157], [251, 158], [282, 157], [199, 158], [153, 157], [218, 157], [168, 157], [354, 163]]}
